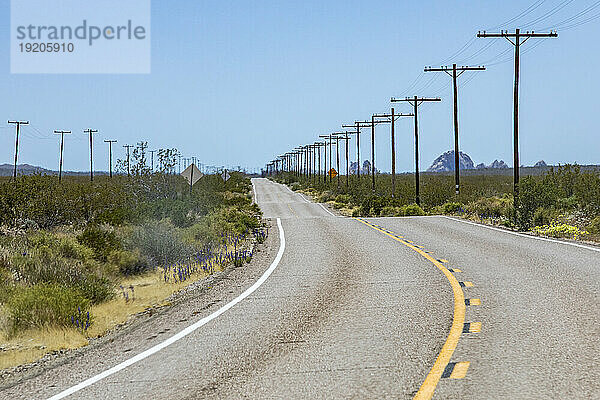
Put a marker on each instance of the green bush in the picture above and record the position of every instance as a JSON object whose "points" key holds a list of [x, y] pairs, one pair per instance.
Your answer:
{"points": [[44, 305], [343, 198], [102, 241], [129, 262], [594, 226], [159, 242], [451, 207], [544, 216], [412, 210], [491, 207]]}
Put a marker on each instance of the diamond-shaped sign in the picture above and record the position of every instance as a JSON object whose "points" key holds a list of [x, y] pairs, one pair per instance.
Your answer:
{"points": [[225, 175], [332, 173], [192, 174]]}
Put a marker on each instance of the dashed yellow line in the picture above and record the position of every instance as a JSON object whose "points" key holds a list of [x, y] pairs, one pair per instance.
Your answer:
{"points": [[443, 359], [473, 302], [460, 370]]}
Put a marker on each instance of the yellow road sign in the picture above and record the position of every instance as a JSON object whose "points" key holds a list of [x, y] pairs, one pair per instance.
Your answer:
{"points": [[332, 173]]}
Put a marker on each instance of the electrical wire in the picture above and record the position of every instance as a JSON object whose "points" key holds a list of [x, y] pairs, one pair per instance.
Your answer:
{"points": [[527, 11], [550, 13], [583, 12]]}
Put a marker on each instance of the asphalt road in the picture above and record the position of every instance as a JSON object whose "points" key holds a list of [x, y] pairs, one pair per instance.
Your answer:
{"points": [[364, 309]]}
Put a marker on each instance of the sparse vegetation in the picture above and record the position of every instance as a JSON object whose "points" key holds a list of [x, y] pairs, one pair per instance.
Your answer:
{"points": [[70, 252], [563, 196]]}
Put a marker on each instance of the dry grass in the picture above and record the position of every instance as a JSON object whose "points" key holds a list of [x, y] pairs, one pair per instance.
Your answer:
{"points": [[149, 291], [33, 344]]}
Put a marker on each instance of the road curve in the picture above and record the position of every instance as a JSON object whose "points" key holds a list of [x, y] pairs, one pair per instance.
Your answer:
{"points": [[363, 309]]}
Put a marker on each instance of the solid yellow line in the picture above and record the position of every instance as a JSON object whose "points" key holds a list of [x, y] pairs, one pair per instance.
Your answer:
{"points": [[460, 370], [433, 377], [468, 284]]}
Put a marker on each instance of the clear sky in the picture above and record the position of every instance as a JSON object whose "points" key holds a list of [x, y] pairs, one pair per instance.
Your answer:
{"points": [[238, 82]]}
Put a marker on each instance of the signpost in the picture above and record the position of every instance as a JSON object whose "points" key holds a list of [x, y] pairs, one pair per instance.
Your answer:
{"points": [[192, 174], [332, 173], [225, 175]]}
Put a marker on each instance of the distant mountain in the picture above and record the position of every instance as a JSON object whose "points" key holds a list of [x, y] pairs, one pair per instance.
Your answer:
{"points": [[498, 164], [365, 170], [26, 169], [480, 166], [23, 169], [445, 162], [541, 163]]}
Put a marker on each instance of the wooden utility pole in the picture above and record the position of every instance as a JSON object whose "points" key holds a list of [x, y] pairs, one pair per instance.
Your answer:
{"points": [[128, 146], [416, 101], [455, 72], [152, 159], [18, 125], [62, 146], [110, 142], [338, 136], [391, 119], [519, 39], [91, 132], [357, 125]]}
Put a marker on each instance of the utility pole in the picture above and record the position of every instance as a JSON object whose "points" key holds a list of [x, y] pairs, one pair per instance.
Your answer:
{"points": [[62, 146], [152, 159], [91, 132], [357, 125], [128, 146], [346, 138], [519, 39], [18, 125], [456, 72], [391, 118], [416, 101], [330, 137], [110, 142]]}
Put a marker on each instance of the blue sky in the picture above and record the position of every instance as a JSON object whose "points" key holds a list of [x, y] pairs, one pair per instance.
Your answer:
{"points": [[236, 83]]}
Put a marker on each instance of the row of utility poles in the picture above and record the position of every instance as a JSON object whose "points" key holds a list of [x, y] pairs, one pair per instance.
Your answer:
{"points": [[302, 160], [90, 132]]}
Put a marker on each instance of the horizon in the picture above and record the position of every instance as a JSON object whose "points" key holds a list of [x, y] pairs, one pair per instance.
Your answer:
{"points": [[237, 94]]}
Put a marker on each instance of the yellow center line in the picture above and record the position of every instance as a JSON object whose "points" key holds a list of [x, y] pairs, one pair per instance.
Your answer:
{"points": [[433, 377], [288, 204]]}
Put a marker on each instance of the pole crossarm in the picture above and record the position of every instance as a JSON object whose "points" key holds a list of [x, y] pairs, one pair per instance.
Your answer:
{"points": [[519, 39], [415, 99]]}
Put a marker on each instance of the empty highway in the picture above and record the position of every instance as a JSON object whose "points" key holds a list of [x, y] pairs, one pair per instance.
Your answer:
{"points": [[335, 307]]}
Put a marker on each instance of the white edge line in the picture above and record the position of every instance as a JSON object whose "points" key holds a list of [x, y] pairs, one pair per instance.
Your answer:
{"points": [[254, 190], [296, 193], [325, 208], [184, 332], [522, 234]]}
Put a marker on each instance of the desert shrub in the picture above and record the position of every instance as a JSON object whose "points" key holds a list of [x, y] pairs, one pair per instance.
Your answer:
{"points": [[159, 242], [451, 207], [129, 262], [491, 207], [343, 198], [325, 196], [101, 240], [412, 210], [544, 216], [44, 305], [594, 226], [337, 205]]}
